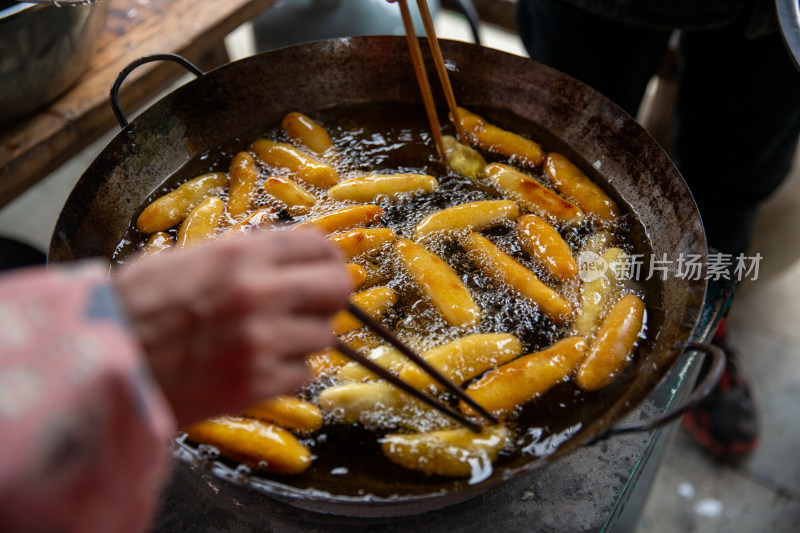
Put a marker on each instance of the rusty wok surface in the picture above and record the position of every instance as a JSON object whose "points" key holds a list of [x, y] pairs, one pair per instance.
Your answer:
{"points": [[241, 99]]}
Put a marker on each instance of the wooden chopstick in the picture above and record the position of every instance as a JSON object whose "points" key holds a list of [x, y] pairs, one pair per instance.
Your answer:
{"points": [[396, 381], [444, 78], [386, 334], [422, 77]]}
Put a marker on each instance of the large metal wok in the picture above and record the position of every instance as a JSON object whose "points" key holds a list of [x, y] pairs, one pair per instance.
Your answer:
{"points": [[241, 99]]}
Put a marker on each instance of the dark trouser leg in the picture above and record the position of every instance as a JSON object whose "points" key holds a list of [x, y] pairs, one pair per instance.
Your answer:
{"points": [[737, 127], [615, 59]]}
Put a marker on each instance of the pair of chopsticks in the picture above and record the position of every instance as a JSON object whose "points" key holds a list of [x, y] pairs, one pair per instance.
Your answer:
{"points": [[451, 387], [422, 76], [436, 130]]}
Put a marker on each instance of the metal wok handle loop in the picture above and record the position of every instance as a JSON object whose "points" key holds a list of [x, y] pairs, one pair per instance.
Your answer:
{"points": [[133, 65], [467, 8], [702, 390]]}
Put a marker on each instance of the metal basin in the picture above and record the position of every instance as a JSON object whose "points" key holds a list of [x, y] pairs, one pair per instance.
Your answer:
{"points": [[45, 49]]}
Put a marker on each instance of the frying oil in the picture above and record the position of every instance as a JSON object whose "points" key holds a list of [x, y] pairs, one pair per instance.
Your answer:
{"points": [[393, 138]]}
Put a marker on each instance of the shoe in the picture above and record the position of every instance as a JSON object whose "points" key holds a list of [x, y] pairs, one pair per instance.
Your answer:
{"points": [[725, 423]]}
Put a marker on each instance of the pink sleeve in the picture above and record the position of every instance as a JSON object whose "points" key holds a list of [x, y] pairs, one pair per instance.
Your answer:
{"points": [[84, 431]]}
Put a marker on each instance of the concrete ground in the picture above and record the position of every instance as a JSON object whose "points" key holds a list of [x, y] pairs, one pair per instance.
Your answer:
{"points": [[692, 492]]}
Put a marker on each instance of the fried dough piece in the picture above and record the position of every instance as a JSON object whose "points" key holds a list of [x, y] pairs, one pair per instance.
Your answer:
{"points": [[542, 241], [505, 270], [243, 183], [499, 141], [452, 453], [532, 195], [369, 188], [285, 156], [598, 295], [158, 243], [386, 356], [200, 225], [463, 359], [261, 445], [612, 347], [288, 412], [522, 380], [328, 362], [463, 159], [297, 199], [357, 273], [598, 242], [344, 219], [375, 301], [473, 216], [439, 282], [576, 186], [379, 404], [169, 210], [307, 132], [360, 241], [260, 218]]}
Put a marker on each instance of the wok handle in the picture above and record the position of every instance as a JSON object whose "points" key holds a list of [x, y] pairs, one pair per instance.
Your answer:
{"points": [[133, 65], [467, 8], [702, 390]]}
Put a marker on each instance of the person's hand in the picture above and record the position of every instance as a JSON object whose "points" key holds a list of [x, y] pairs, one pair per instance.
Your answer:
{"points": [[227, 324]]}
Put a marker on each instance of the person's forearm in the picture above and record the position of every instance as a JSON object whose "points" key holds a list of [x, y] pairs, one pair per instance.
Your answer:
{"points": [[82, 425]]}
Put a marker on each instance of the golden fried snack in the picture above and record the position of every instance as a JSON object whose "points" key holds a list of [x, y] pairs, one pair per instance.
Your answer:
{"points": [[363, 341], [453, 453], [297, 199], [285, 156], [505, 270], [473, 216], [379, 404], [532, 195], [261, 445], [369, 188], [325, 362], [573, 184], [499, 141], [362, 241], [375, 301], [288, 412], [307, 132], [260, 218], [598, 242], [463, 159], [463, 359], [514, 384], [612, 347], [541, 241], [344, 219], [616, 260], [357, 273], [158, 243], [594, 301], [201, 223], [169, 210], [439, 282], [243, 184], [599, 294], [386, 356]]}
